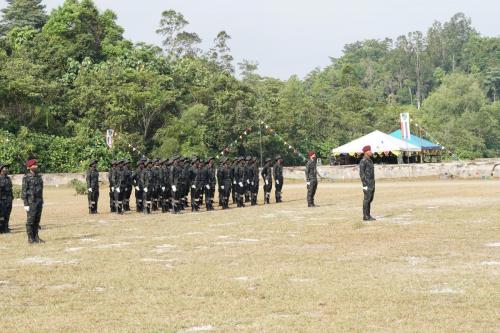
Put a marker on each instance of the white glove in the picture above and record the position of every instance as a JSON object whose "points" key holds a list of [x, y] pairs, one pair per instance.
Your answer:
{"points": [[90, 190], [248, 181], [27, 208], [112, 189], [222, 187], [308, 183], [146, 189], [208, 187], [241, 184], [365, 188], [193, 186], [137, 188], [277, 182], [163, 188], [174, 188], [234, 182], [267, 182], [118, 189], [253, 183]]}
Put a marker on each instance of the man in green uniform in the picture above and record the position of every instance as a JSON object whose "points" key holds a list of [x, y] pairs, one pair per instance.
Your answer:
{"points": [[367, 175], [32, 196], [311, 178], [6, 198]]}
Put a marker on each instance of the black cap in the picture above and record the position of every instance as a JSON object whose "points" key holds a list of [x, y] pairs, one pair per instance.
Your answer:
{"points": [[93, 162], [210, 159], [268, 160]]}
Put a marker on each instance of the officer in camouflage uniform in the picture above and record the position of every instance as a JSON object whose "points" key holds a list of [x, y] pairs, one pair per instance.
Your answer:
{"points": [[6, 198], [32, 196], [367, 175], [127, 185], [311, 178], [93, 187], [137, 182], [255, 181], [267, 175], [147, 183], [111, 175], [278, 177]]}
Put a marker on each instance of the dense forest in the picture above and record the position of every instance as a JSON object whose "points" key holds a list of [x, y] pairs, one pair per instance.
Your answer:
{"points": [[67, 76]]}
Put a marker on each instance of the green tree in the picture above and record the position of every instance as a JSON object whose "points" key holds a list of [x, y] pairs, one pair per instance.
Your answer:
{"points": [[22, 13]]}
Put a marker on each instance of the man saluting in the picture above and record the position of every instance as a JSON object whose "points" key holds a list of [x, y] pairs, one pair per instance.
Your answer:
{"points": [[367, 175]]}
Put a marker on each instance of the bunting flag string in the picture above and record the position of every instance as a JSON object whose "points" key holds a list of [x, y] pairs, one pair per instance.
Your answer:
{"points": [[129, 145], [267, 128], [436, 141]]}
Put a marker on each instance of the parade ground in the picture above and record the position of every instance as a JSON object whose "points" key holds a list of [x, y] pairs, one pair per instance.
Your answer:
{"points": [[430, 263]]}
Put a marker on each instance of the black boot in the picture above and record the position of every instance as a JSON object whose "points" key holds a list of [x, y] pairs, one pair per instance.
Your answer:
{"points": [[31, 234], [38, 239]]}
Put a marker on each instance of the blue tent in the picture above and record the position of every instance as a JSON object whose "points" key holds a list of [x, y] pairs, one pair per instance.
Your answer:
{"points": [[417, 141]]}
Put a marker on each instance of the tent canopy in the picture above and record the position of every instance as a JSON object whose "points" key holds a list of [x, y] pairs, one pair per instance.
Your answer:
{"points": [[380, 142], [417, 141]]}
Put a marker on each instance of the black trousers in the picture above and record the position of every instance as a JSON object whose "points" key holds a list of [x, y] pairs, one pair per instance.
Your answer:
{"points": [[93, 198], [279, 187], [311, 191], [5, 210], [369, 194], [34, 216]]}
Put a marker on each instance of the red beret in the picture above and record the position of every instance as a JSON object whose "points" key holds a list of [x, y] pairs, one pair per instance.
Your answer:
{"points": [[367, 148], [311, 153], [30, 163]]}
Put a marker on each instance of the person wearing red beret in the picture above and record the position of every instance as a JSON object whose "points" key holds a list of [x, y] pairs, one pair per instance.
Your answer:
{"points": [[367, 175], [32, 196], [311, 178]]}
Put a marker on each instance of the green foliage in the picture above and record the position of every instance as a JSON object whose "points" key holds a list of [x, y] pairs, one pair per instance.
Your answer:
{"points": [[66, 78], [79, 186]]}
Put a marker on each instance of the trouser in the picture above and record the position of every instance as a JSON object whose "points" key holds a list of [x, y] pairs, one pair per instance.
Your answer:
{"points": [[240, 192], [164, 198], [33, 219], [5, 210], [112, 203], [268, 187], [154, 197], [233, 192], [176, 200], [147, 201], [369, 194], [255, 192], [311, 191], [93, 198], [139, 194], [209, 197], [279, 187], [119, 200], [247, 190], [126, 198], [195, 199]]}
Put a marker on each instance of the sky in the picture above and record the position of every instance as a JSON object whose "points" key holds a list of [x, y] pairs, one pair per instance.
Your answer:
{"points": [[288, 37]]}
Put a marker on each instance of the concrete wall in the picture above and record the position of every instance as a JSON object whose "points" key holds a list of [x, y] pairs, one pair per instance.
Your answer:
{"points": [[464, 170]]}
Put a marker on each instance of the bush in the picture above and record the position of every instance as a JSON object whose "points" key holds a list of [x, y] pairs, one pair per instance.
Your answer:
{"points": [[79, 186]]}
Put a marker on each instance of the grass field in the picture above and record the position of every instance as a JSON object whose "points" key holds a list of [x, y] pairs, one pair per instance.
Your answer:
{"points": [[431, 263]]}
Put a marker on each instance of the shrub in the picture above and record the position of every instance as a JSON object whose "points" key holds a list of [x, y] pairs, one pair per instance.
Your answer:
{"points": [[79, 186]]}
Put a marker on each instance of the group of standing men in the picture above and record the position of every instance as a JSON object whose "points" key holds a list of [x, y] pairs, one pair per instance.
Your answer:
{"points": [[166, 184]]}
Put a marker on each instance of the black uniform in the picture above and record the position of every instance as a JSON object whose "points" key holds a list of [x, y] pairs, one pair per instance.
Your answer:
{"points": [[148, 184], [165, 187], [278, 180], [184, 185], [137, 182], [239, 175], [93, 189], [6, 198], [127, 186], [267, 175], [111, 172], [225, 183], [155, 185], [255, 182], [367, 175], [248, 178], [32, 196], [175, 181], [119, 186], [210, 184], [312, 181], [232, 175], [196, 186]]}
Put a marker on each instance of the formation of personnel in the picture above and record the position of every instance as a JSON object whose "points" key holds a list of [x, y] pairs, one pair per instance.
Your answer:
{"points": [[173, 185]]}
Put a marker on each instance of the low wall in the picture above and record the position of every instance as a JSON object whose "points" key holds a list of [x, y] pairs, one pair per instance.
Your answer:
{"points": [[476, 169]]}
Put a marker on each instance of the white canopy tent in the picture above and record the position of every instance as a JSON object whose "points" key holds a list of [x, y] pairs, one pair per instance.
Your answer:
{"points": [[380, 142]]}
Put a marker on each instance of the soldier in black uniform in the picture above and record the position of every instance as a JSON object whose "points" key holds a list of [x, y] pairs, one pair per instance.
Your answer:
{"points": [[311, 178], [267, 175], [248, 177], [233, 167], [193, 180], [118, 183], [137, 182], [32, 196], [6, 198], [176, 171], [111, 172], [164, 186], [147, 183], [239, 176], [278, 177], [255, 181], [127, 185], [224, 181], [184, 183], [367, 175], [210, 184], [93, 187]]}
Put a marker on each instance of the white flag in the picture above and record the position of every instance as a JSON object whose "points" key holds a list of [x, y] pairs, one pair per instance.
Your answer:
{"points": [[405, 126]]}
